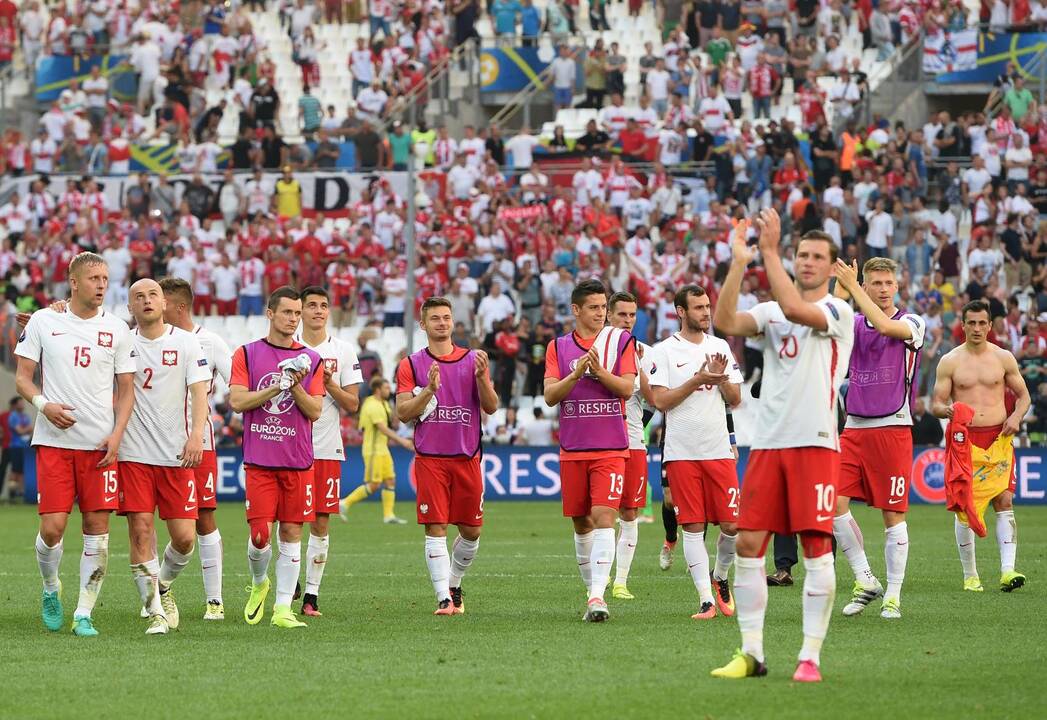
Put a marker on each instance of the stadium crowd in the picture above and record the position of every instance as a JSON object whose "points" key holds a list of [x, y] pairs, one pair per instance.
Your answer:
{"points": [[646, 204]]}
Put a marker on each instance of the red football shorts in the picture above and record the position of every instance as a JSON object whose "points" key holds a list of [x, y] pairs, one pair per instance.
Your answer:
{"points": [[327, 485], [634, 491], [450, 490], [875, 464], [206, 474], [984, 437], [171, 490], [284, 495], [704, 490], [64, 475], [789, 490], [588, 483]]}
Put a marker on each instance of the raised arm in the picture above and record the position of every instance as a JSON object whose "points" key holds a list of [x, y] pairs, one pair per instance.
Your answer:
{"points": [[726, 317], [794, 307], [847, 276]]}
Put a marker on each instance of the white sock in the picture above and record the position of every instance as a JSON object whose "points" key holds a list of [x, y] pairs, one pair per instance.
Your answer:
{"points": [[850, 542], [724, 555], [750, 601], [1007, 539], [601, 560], [697, 558], [439, 566], [462, 553], [174, 563], [93, 563], [896, 552], [583, 550], [315, 562], [48, 558], [819, 591], [258, 560], [146, 577], [288, 567], [627, 536], [965, 544], [211, 564]]}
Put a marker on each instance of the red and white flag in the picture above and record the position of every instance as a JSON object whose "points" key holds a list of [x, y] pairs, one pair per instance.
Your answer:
{"points": [[949, 52]]}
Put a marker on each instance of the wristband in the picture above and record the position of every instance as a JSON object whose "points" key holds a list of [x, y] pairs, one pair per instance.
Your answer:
{"points": [[39, 401]]}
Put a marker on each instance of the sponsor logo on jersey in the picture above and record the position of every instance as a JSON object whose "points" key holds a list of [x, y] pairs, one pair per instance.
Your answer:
{"points": [[105, 339], [592, 408], [202, 362], [282, 402], [451, 414], [169, 357]]}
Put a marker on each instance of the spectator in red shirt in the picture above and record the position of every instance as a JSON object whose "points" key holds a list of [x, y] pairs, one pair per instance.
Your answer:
{"points": [[763, 84], [277, 271]]}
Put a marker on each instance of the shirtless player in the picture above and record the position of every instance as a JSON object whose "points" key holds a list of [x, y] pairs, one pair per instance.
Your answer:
{"points": [[976, 373]]}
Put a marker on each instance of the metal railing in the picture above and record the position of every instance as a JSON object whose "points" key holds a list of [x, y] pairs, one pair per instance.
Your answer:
{"points": [[523, 99], [437, 78]]}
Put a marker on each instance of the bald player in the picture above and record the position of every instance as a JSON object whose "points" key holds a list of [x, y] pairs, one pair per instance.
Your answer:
{"points": [[178, 312], [977, 373]]}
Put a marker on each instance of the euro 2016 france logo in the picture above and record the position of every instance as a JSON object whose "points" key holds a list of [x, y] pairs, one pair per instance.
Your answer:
{"points": [[282, 402]]}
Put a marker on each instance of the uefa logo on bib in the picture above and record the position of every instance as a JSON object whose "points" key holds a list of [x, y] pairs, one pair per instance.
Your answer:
{"points": [[282, 402], [567, 407]]}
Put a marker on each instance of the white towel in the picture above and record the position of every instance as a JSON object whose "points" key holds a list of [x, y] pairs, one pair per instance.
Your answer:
{"points": [[430, 407], [606, 345], [300, 363]]}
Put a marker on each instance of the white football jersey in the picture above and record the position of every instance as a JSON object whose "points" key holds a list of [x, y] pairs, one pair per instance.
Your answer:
{"points": [[165, 368], [802, 372], [219, 361], [78, 361], [635, 405], [341, 359], [696, 429]]}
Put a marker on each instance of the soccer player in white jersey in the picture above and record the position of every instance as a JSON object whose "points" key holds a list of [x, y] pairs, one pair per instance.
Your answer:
{"points": [[342, 378], [622, 307], [694, 374], [790, 481], [79, 429], [179, 296], [160, 449], [876, 446]]}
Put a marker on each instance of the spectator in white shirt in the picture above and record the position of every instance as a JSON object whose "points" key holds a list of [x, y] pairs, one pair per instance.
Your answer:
{"points": [[495, 307], [535, 185], [881, 230], [658, 81], [565, 75], [521, 146], [1018, 159], [844, 94], [461, 178]]}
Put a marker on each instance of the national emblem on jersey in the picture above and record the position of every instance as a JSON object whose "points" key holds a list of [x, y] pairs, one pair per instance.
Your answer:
{"points": [[105, 339], [170, 357], [331, 365], [958, 437], [282, 402]]}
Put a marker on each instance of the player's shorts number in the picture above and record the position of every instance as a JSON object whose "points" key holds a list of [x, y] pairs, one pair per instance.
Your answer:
{"points": [[332, 489], [209, 483], [826, 497], [309, 495], [109, 478], [617, 483], [733, 502], [192, 493], [897, 486]]}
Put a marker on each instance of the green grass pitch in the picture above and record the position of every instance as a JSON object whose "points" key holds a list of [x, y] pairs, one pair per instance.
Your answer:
{"points": [[522, 649]]}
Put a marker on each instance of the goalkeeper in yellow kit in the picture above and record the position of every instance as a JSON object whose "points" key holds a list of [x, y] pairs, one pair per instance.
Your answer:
{"points": [[377, 422]]}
